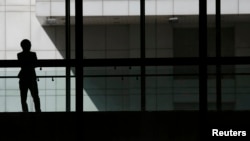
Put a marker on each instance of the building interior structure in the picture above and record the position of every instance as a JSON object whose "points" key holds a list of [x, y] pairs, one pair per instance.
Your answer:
{"points": [[132, 63]]}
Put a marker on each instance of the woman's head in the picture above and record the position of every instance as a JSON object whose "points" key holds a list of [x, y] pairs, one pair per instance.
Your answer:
{"points": [[26, 45]]}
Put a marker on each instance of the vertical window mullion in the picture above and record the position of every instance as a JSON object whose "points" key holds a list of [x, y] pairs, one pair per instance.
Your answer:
{"points": [[218, 56], [68, 57], [79, 54], [142, 55], [203, 55]]}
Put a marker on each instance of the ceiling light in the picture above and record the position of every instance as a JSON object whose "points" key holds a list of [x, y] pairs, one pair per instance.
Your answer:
{"points": [[51, 21], [173, 20]]}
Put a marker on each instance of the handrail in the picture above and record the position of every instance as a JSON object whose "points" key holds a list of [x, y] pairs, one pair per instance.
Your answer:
{"points": [[130, 75], [189, 61]]}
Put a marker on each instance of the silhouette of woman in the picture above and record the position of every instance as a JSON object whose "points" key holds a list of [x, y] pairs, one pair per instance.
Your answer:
{"points": [[27, 76]]}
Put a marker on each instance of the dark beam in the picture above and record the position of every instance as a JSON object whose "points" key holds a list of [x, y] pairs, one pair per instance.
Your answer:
{"points": [[143, 55], [131, 75], [67, 43], [79, 66], [79, 54], [133, 62], [218, 55], [203, 67], [203, 55]]}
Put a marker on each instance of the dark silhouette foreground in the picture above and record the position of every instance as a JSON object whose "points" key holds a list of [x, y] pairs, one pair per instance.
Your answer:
{"points": [[27, 76]]}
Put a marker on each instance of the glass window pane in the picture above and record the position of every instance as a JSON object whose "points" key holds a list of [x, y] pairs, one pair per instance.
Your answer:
{"points": [[51, 89], [167, 89], [111, 89]]}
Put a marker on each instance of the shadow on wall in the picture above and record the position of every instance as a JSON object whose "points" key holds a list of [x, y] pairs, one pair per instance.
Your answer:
{"points": [[100, 93]]}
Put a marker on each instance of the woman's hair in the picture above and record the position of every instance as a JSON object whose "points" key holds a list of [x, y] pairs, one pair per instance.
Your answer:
{"points": [[26, 45]]}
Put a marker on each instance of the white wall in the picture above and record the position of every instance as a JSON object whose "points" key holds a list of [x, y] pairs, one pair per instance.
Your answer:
{"points": [[17, 22]]}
